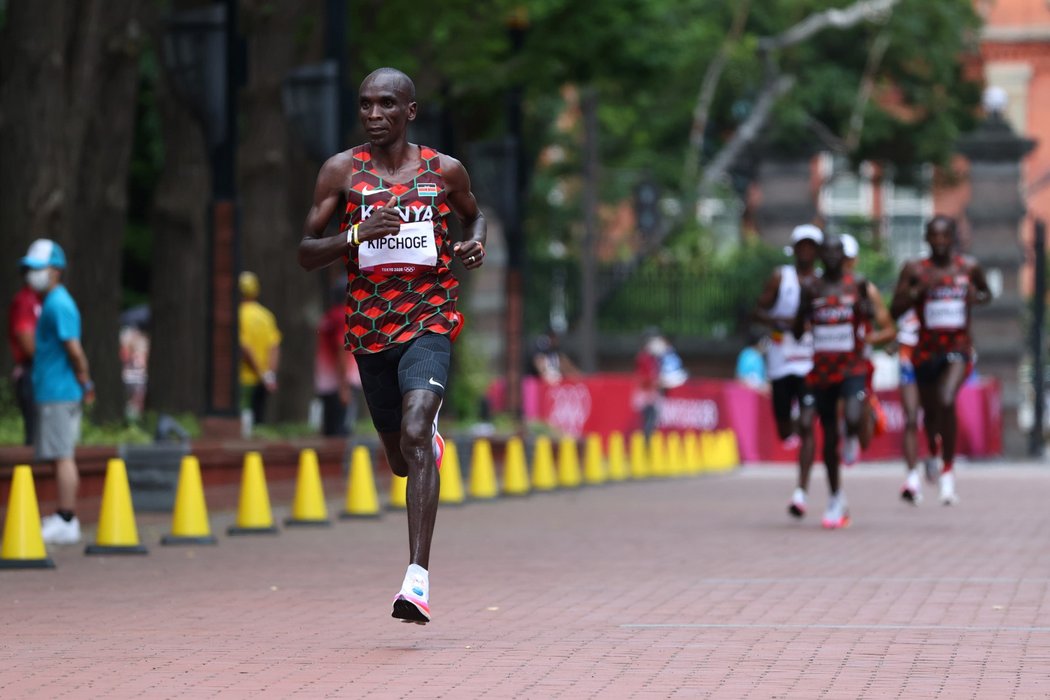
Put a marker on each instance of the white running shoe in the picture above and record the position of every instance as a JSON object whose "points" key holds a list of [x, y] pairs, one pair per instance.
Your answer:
{"points": [[851, 450], [55, 530], [912, 489], [948, 495], [797, 507], [412, 603], [837, 514], [933, 466]]}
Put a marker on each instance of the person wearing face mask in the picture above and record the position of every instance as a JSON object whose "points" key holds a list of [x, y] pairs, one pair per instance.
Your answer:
{"points": [[21, 329], [61, 383]]}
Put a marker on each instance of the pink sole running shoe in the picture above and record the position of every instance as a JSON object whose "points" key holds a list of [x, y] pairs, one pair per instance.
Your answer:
{"points": [[409, 608]]}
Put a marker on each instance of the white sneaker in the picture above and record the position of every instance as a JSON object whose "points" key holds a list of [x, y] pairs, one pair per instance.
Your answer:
{"points": [[948, 495], [55, 530], [912, 489], [837, 514], [851, 450], [933, 466], [797, 507], [412, 603]]}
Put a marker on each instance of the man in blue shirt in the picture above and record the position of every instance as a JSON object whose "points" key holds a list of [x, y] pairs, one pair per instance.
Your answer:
{"points": [[61, 381]]}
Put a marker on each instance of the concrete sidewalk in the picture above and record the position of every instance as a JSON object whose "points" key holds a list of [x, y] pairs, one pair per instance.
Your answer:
{"points": [[699, 587]]}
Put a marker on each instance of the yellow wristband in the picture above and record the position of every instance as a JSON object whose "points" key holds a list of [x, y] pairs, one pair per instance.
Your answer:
{"points": [[351, 236]]}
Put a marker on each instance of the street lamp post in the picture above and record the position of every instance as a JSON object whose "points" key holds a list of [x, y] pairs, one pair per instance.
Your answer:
{"points": [[202, 55]]}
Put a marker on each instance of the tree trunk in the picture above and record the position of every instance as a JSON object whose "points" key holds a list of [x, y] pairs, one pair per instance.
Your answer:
{"points": [[101, 194], [71, 143], [275, 194], [179, 280]]}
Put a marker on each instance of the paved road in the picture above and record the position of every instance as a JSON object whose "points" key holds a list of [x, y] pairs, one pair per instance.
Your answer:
{"points": [[690, 588]]}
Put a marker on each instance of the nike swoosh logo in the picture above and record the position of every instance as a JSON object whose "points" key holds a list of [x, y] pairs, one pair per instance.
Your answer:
{"points": [[367, 191], [431, 381]]}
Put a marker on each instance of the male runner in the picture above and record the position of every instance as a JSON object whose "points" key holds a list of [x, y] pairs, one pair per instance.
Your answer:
{"points": [[877, 330], [789, 360], [942, 288], [394, 198], [907, 339], [835, 307]]}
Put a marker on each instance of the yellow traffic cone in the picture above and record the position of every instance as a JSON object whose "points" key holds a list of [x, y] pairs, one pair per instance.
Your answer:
{"points": [[515, 473], [675, 455], [732, 449], [544, 478], [362, 499], [568, 463], [23, 545], [639, 456], [254, 516], [117, 533], [709, 450], [398, 492], [691, 448], [617, 457], [482, 472], [308, 506], [593, 469], [451, 492], [658, 455], [189, 521]]}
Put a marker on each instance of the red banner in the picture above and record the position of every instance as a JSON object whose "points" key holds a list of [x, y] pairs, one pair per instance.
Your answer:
{"points": [[603, 403]]}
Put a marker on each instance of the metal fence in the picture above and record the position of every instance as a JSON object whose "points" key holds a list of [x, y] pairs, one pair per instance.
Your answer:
{"points": [[676, 300]]}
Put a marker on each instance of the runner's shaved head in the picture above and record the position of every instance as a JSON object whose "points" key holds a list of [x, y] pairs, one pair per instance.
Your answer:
{"points": [[400, 82]]}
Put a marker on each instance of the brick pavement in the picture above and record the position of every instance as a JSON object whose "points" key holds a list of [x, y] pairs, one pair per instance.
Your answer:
{"points": [[690, 588]]}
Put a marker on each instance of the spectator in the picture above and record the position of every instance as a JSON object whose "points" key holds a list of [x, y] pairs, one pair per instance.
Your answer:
{"points": [[61, 381], [21, 329], [549, 363], [653, 377], [337, 380], [260, 349], [751, 363]]}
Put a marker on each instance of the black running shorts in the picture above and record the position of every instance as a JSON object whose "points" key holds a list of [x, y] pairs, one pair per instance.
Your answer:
{"points": [[421, 363]]}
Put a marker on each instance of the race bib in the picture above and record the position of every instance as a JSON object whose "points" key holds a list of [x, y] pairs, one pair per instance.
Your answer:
{"points": [[836, 337], [411, 250], [945, 314]]}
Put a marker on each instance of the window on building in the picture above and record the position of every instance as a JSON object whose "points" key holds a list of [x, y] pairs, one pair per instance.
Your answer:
{"points": [[854, 202], [905, 210]]}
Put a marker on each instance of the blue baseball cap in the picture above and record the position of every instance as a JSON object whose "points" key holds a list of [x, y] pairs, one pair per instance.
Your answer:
{"points": [[43, 253]]}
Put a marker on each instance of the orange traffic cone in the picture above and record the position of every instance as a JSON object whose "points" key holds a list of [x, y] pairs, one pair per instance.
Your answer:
{"points": [[23, 545], [308, 506], [117, 533], [254, 516], [189, 521]]}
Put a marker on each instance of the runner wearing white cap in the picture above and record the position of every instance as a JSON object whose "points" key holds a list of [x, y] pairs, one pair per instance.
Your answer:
{"points": [[789, 360]]}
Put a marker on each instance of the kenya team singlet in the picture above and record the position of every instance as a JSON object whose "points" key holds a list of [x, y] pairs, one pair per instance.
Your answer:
{"points": [[838, 344], [400, 286], [944, 312]]}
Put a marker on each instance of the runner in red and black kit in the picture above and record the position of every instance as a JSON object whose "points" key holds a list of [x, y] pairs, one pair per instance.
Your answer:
{"points": [[401, 315], [942, 289], [835, 307]]}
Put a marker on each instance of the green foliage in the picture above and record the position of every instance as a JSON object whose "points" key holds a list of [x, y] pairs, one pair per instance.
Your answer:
{"points": [[470, 378]]}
